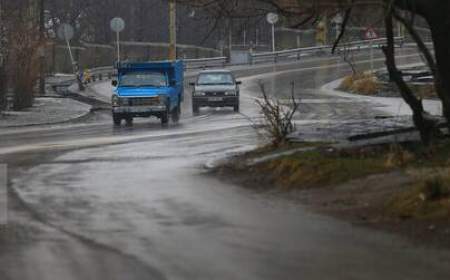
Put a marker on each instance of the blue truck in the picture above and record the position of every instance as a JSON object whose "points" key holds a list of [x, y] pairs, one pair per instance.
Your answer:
{"points": [[148, 89]]}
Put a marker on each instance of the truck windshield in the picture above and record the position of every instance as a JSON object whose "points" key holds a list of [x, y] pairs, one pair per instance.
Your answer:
{"points": [[215, 79], [143, 79]]}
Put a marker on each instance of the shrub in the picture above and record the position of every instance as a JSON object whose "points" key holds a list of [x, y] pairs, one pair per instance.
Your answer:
{"points": [[366, 84], [435, 188], [278, 118], [398, 157]]}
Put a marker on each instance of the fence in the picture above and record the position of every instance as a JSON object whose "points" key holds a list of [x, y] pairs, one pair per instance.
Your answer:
{"points": [[297, 54]]}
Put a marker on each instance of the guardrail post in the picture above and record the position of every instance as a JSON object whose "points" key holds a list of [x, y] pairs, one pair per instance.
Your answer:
{"points": [[100, 76], [298, 55], [9, 100]]}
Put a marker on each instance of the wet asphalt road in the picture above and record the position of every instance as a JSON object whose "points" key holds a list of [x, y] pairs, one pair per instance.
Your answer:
{"points": [[136, 202]]}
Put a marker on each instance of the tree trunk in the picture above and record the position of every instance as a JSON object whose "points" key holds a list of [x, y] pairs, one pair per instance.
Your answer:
{"points": [[2, 88], [441, 41], [422, 121]]}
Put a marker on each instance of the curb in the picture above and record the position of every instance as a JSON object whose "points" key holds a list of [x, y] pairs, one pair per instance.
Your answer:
{"points": [[71, 119], [393, 106]]}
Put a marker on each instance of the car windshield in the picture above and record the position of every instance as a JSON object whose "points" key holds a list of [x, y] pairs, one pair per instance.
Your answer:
{"points": [[143, 79], [215, 79]]}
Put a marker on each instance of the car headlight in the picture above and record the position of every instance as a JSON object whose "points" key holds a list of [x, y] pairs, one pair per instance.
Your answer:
{"points": [[199, 93], [115, 100], [230, 93]]}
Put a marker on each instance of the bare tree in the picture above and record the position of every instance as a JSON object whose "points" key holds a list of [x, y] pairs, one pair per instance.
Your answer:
{"points": [[278, 117], [434, 12], [22, 42]]}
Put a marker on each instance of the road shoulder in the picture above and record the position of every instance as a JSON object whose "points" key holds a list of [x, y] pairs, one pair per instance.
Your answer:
{"points": [[45, 111]]}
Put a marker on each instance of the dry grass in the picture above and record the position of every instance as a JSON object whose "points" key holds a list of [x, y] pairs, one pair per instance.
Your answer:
{"points": [[398, 157], [429, 198], [320, 169], [423, 194], [365, 84], [425, 91]]}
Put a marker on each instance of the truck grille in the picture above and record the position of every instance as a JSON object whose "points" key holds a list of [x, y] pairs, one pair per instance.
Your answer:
{"points": [[144, 101], [215, 94]]}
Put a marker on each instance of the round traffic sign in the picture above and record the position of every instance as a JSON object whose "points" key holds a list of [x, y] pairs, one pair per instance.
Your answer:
{"points": [[117, 24], [272, 18], [65, 32]]}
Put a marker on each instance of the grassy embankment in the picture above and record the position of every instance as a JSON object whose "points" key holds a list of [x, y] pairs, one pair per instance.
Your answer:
{"points": [[426, 196]]}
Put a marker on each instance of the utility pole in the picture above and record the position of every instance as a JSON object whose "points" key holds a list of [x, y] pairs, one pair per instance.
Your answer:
{"points": [[42, 71], [172, 29]]}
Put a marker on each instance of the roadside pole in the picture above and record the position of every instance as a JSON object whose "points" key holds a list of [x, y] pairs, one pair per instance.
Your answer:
{"points": [[230, 38], [371, 56], [172, 30], [42, 67], [371, 35], [118, 46], [72, 60], [273, 37], [117, 25], [66, 32], [272, 18]]}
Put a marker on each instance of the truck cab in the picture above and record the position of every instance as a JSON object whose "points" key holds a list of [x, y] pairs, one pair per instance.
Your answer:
{"points": [[148, 89]]}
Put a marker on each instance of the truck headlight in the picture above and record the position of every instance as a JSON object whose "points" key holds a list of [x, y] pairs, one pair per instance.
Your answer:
{"points": [[230, 93], [162, 99], [115, 100], [199, 93], [123, 101]]}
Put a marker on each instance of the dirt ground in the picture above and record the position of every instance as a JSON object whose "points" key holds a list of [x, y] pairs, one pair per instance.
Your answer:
{"points": [[361, 201]]}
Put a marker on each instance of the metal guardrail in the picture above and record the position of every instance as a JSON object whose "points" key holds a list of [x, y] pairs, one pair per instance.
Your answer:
{"points": [[108, 72], [297, 54], [205, 62]]}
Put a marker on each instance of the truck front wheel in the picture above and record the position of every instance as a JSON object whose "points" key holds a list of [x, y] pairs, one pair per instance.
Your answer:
{"points": [[117, 119], [165, 116], [195, 109], [129, 121], [176, 113]]}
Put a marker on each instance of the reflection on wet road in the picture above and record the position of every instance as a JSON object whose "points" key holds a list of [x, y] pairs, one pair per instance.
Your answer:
{"points": [[143, 191]]}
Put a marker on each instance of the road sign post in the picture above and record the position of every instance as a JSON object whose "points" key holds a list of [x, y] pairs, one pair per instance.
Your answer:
{"points": [[66, 32], [273, 18], [370, 34], [117, 25]]}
